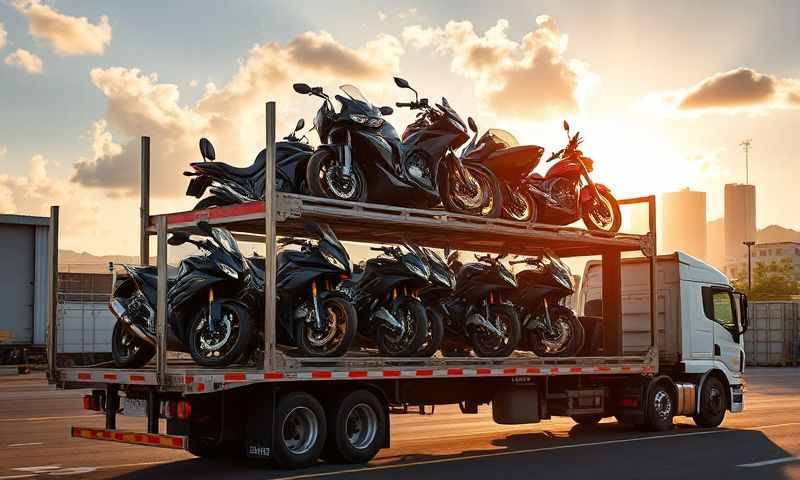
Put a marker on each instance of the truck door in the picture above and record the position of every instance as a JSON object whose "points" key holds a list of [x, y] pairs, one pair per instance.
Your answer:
{"points": [[720, 306]]}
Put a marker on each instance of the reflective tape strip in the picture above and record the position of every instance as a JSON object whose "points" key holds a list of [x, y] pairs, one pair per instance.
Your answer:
{"points": [[149, 439]]}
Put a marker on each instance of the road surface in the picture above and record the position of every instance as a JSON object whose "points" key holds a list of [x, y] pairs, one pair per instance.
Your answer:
{"points": [[763, 442]]}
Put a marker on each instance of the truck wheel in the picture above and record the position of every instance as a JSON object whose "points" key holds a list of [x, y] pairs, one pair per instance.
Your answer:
{"points": [[660, 408], [357, 428], [713, 401], [299, 431], [587, 419]]}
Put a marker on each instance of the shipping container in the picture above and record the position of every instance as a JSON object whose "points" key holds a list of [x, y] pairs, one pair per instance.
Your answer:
{"points": [[774, 335]]}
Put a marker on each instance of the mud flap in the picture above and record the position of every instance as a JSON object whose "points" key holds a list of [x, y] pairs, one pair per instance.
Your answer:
{"points": [[514, 405], [260, 424]]}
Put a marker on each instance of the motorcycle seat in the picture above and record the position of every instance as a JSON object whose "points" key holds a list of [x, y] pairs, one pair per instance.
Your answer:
{"points": [[514, 161], [254, 169]]}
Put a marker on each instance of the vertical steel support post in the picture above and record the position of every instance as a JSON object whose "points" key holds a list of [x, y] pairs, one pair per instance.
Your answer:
{"points": [[153, 407], [651, 206], [612, 302], [52, 294], [161, 300], [269, 240], [144, 203], [112, 405]]}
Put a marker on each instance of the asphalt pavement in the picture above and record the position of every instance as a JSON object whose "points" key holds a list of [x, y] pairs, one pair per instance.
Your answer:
{"points": [[763, 442]]}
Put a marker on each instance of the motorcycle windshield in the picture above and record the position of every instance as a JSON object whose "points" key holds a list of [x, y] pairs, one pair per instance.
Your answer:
{"points": [[446, 108], [225, 240], [330, 244], [356, 102], [503, 138]]}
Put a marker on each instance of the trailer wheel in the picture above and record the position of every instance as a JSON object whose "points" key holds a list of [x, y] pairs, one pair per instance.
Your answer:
{"points": [[300, 431], [713, 401], [356, 429], [660, 408], [587, 419]]}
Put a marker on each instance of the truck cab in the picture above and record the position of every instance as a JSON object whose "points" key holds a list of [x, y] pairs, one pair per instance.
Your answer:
{"points": [[699, 328]]}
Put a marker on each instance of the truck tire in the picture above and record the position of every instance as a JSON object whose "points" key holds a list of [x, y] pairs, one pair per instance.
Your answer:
{"points": [[660, 408], [713, 402], [356, 428], [587, 419], [299, 431]]}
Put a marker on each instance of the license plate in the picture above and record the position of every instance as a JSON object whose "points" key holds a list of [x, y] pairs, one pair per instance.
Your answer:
{"points": [[197, 186], [134, 407]]}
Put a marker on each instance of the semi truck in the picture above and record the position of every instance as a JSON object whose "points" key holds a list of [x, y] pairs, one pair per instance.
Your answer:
{"points": [[294, 410]]}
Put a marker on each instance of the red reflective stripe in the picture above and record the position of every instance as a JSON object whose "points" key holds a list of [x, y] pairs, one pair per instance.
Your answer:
{"points": [[358, 374], [201, 387], [137, 378], [119, 436], [236, 209], [626, 369], [391, 373], [510, 371], [273, 376], [554, 370], [576, 369], [603, 369], [455, 371], [177, 442], [321, 374], [185, 217], [109, 376], [84, 376], [235, 377], [424, 373], [188, 380], [533, 370], [152, 439], [483, 371]]}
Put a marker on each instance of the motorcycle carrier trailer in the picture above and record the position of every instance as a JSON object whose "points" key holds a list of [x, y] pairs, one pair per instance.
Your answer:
{"points": [[241, 410]]}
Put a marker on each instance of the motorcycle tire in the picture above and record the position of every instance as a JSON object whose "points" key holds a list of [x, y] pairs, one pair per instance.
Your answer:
{"points": [[346, 325], [487, 179], [616, 214], [412, 312], [572, 345], [434, 336], [128, 350], [235, 345], [208, 202], [318, 185], [531, 209], [505, 346]]}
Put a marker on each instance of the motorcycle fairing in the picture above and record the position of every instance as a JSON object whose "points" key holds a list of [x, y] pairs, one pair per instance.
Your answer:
{"points": [[512, 164], [587, 193]]}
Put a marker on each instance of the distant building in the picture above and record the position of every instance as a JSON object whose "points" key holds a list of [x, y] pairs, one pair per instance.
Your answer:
{"points": [[740, 220], [766, 253], [683, 222]]}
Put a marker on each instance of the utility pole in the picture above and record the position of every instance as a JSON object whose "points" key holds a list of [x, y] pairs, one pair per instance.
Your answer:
{"points": [[746, 147], [749, 266]]}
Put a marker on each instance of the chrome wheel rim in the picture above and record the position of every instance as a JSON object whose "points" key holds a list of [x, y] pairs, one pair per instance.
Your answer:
{"points": [[300, 430], [662, 404], [128, 344], [336, 184], [559, 342], [361, 426], [333, 333], [519, 209], [481, 202], [399, 342], [602, 213]]}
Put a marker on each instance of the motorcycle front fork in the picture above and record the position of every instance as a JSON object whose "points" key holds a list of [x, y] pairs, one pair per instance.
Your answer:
{"points": [[318, 314]]}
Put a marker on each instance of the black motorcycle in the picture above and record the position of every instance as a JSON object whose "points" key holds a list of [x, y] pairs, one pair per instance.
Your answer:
{"points": [[209, 305], [477, 313], [229, 184], [551, 328], [363, 159], [386, 298], [314, 316], [442, 284]]}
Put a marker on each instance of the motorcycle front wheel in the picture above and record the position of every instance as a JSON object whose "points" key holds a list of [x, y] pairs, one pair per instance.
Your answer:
{"points": [[225, 345], [565, 341], [336, 336], [434, 335], [128, 350], [519, 205], [412, 314], [324, 178], [483, 197], [602, 213], [487, 344]]}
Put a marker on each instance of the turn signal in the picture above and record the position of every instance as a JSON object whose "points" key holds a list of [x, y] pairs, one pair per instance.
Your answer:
{"points": [[182, 410]]}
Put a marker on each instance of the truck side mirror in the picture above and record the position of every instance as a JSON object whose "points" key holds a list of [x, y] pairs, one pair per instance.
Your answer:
{"points": [[744, 321]]}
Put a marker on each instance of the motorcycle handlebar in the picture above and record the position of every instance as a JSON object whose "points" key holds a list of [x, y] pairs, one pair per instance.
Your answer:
{"points": [[404, 104]]}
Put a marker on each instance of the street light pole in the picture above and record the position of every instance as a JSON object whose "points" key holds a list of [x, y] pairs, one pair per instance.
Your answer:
{"points": [[749, 245]]}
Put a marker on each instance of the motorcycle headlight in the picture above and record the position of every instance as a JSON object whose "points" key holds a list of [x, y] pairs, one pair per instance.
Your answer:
{"points": [[508, 277], [334, 261], [564, 281], [372, 122], [417, 270], [228, 270], [441, 278]]}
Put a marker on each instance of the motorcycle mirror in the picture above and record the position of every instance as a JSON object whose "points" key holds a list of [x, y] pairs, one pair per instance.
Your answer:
{"points": [[472, 125], [566, 126], [204, 227], [300, 124], [207, 149], [401, 82], [178, 238], [386, 110], [302, 88]]}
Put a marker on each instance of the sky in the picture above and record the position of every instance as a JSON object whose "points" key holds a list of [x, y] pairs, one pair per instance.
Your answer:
{"points": [[663, 92]]}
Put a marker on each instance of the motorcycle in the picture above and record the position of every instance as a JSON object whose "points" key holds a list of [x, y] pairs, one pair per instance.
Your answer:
{"points": [[551, 328], [385, 297], [209, 305], [316, 318], [367, 160], [476, 314], [229, 184], [442, 284]]}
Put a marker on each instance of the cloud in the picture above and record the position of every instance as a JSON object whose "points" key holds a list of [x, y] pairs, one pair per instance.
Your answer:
{"points": [[526, 79], [68, 35], [3, 35], [741, 89], [3, 151], [232, 116], [25, 60]]}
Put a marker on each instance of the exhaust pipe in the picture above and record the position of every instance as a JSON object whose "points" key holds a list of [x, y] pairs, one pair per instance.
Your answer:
{"points": [[121, 313]]}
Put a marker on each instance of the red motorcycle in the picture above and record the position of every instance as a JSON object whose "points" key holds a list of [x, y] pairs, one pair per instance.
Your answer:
{"points": [[563, 196]]}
